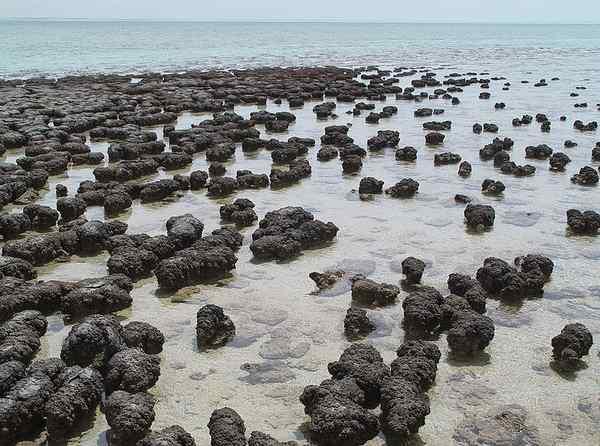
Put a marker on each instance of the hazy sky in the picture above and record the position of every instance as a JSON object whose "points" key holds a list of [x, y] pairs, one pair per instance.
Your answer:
{"points": [[530, 11]]}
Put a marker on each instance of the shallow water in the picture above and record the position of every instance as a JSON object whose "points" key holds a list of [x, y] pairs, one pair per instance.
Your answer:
{"points": [[288, 334]]}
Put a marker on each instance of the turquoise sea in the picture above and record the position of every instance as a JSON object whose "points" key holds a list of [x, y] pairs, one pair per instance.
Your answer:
{"points": [[54, 48]]}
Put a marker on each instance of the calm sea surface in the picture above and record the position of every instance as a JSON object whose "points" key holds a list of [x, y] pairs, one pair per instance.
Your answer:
{"points": [[34, 48]]}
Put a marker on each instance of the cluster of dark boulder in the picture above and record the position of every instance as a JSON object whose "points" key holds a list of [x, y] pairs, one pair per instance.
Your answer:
{"points": [[99, 357], [284, 233], [340, 407]]}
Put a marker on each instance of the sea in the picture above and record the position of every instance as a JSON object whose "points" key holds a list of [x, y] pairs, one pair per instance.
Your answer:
{"points": [[52, 48]]}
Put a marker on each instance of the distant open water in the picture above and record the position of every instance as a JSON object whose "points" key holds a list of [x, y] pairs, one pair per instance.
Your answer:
{"points": [[57, 48]]}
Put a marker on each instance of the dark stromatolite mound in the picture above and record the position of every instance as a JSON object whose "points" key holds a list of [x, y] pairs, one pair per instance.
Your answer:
{"points": [[326, 279], [357, 324], [184, 230], [10, 373], [405, 188], [465, 169], [20, 336], [170, 436], [132, 370], [213, 327], [470, 333], [540, 152], [227, 428], [464, 286], [413, 269], [296, 170], [70, 208], [77, 396], [133, 262], [434, 138], [126, 170], [587, 176], [284, 233], [327, 153], [248, 180], [18, 268], [417, 362], [367, 291], [336, 419], [82, 237], [130, 415], [586, 222], [492, 187], [440, 159], [370, 185], [479, 215], [22, 407], [363, 363], [403, 408], [558, 161], [12, 225], [573, 342], [158, 190], [208, 258], [241, 212], [93, 341], [422, 310], [41, 217], [144, 336], [407, 153], [404, 405], [498, 277], [102, 295], [384, 138]]}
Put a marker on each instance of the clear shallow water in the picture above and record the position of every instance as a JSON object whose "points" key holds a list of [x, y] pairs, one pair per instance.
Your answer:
{"points": [[292, 334], [36, 48]]}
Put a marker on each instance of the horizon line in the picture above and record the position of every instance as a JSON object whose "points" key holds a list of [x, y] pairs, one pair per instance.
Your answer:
{"points": [[284, 20]]}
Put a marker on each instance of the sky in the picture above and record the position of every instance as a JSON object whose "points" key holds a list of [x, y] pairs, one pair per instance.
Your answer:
{"points": [[513, 11]]}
